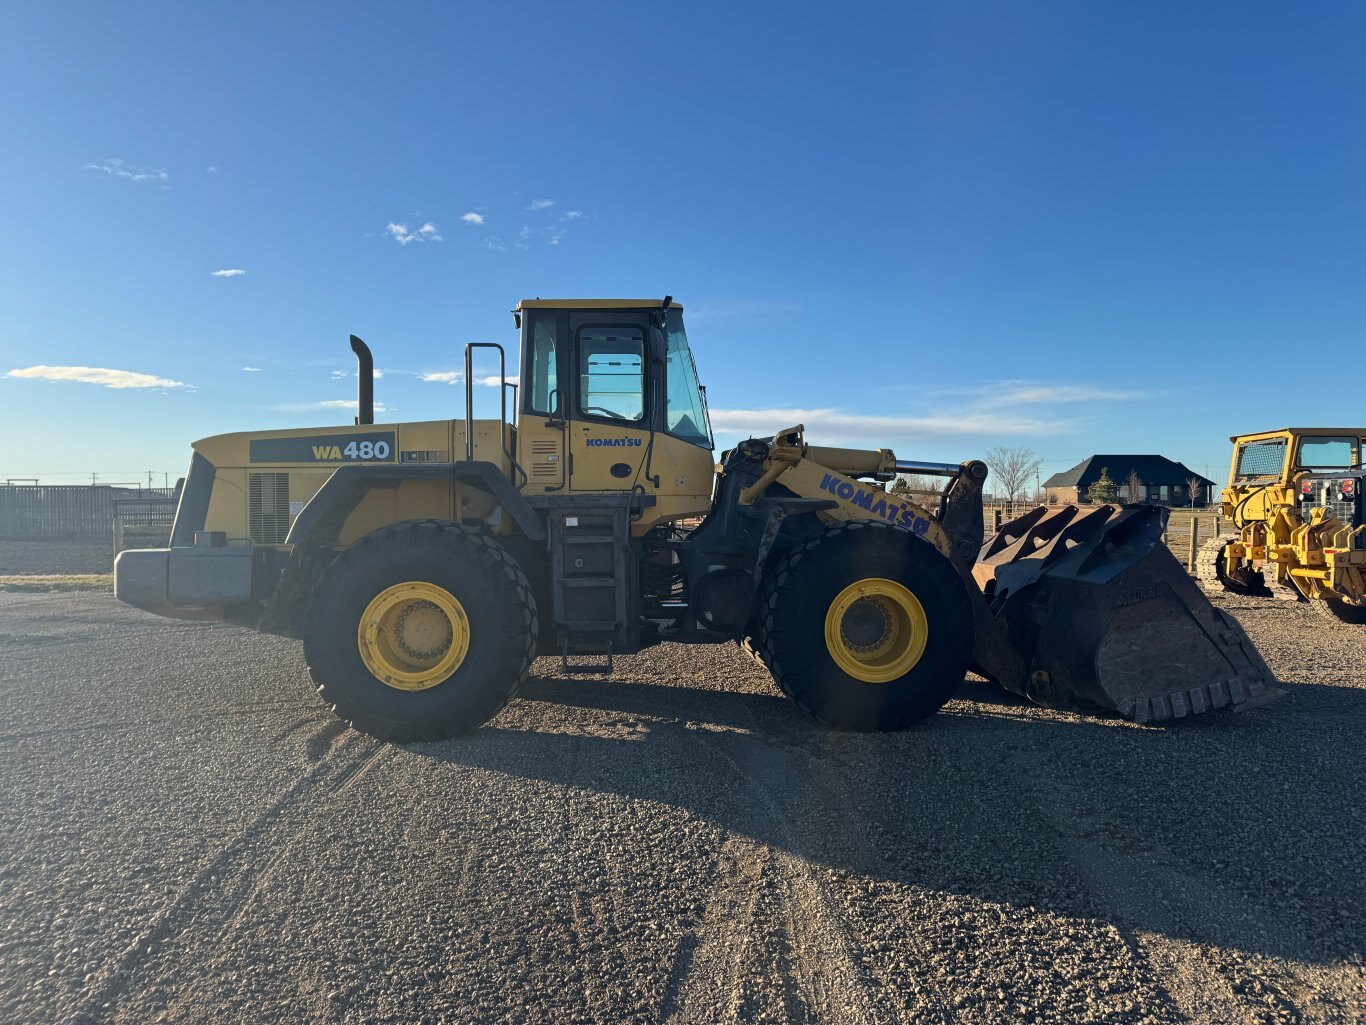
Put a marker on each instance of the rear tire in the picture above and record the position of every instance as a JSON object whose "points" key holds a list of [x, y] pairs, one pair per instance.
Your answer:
{"points": [[1213, 576], [452, 626], [866, 598]]}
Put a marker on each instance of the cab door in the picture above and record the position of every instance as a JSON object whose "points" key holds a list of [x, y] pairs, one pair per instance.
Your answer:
{"points": [[609, 428], [540, 424]]}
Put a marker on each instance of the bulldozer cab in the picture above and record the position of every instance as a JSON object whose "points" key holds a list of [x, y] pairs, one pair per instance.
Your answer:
{"points": [[610, 403], [1265, 465]]}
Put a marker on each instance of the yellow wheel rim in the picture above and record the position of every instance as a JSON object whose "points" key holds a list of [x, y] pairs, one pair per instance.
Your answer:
{"points": [[413, 635], [876, 630]]}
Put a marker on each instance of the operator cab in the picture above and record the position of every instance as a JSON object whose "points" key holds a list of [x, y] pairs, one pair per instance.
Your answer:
{"points": [[609, 402]]}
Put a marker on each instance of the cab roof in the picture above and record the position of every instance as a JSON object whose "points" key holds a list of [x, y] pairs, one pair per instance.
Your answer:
{"points": [[1311, 432], [595, 304]]}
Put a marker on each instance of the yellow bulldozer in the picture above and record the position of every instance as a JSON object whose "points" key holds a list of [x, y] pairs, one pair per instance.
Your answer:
{"points": [[1294, 496], [425, 565]]}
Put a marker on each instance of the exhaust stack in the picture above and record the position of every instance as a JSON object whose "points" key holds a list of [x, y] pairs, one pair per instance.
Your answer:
{"points": [[365, 382]]}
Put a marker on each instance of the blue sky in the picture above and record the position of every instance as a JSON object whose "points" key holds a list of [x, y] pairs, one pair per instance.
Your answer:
{"points": [[1077, 227]]}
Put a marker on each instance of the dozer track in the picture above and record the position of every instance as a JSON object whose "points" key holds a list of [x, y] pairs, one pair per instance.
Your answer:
{"points": [[1105, 616], [1213, 576]]}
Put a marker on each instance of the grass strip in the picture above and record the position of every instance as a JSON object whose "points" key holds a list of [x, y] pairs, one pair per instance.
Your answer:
{"points": [[58, 582]]}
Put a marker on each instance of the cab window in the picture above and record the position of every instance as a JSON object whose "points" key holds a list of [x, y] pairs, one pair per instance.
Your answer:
{"points": [[1328, 453], [1261, 458], [687, 415], [543, 394], [612, 372]]}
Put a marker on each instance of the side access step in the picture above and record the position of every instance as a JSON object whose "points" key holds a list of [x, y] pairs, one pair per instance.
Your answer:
{"points": [[592, 565]]}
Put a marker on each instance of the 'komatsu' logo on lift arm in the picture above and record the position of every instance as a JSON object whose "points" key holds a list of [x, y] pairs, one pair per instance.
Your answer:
{"points": [[877, 503]]}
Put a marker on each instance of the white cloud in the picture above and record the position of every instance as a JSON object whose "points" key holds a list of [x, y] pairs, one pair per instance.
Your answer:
{"points": [[1026, 392], [525, 233], [232, 272], [495, 243], [211, 169], [840, 425], [442, 376], [305, 407], [402, 234], [493, 380], [96, 375], [554, 239], [338, 375], [572, 215], [541, 204], [252, 370], [119, 168], [473, 218]]}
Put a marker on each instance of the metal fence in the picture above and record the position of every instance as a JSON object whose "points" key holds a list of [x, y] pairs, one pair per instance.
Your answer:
{"points": [[146, 511], [37, 512]]}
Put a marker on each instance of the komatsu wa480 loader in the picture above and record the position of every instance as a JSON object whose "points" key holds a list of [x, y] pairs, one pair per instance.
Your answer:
{"points": [[424, 565]]}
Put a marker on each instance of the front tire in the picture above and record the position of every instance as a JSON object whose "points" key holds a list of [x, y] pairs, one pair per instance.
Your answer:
{"points": [[1340, 611], [420, 631], [867, 627]]}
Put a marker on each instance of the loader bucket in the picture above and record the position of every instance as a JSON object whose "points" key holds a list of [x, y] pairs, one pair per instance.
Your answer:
{"points": [[1104, 615]]}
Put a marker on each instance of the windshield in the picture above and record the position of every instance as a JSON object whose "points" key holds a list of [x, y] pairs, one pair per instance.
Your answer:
{"points": [[1328, 453], [687, 414]]}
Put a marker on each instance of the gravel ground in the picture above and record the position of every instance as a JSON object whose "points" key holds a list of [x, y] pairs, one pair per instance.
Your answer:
{"points": [[191, 837]]}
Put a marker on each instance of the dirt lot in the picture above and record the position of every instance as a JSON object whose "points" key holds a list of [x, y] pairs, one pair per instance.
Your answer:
{"points": [[190, 837], [67, 555]]}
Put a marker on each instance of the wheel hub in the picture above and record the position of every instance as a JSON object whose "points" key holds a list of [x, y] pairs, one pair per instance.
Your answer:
{"points": [[876, 630], [417, 626], [413, 636], [865, 624]]}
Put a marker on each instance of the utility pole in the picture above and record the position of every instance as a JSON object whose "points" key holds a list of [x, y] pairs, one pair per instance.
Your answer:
{"points": [[94, 477], [149, 480]]}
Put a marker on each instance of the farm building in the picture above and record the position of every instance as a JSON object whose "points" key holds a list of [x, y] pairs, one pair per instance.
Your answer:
{"points": [[1163, 481]]}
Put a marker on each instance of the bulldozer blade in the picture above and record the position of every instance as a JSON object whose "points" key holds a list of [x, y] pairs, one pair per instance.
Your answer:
{"points": [[1104, 615]]}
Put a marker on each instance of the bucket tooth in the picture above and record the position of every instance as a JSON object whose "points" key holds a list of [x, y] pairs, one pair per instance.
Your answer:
{"points": [[1094, 602]]}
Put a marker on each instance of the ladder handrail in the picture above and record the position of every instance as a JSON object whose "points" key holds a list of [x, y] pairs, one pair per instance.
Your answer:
{"points": [[503, 415]]}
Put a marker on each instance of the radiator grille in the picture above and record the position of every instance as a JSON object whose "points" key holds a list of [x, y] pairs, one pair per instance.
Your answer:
{"points": [[269, 508]]}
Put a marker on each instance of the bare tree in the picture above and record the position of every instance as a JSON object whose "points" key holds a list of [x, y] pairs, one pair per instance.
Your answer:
{"points": [[1195, 487], [1012, 468], [915, 484], [1137, 490]]}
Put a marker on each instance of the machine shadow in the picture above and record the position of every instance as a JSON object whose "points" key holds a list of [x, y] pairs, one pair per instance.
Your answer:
{"points": [[1178, 831]]}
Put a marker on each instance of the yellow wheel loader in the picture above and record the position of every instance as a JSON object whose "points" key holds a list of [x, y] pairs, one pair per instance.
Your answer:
{"points": [[424, 565], [1294, 496]]}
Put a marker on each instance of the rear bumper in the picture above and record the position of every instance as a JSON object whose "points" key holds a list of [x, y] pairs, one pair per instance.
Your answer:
{"points": [[184, 583]]}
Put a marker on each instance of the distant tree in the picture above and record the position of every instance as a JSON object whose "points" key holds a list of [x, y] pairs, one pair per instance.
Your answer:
{"points": [[1012, 468], [914, 484], [1194, 486], [1104, 490], [1136, 489]]}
